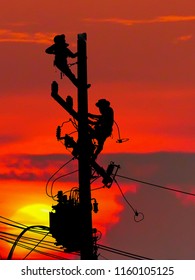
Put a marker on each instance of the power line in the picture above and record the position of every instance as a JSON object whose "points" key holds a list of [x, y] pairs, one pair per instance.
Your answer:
{"points": [[27, 245], [37, 251], [20, 227], [122, 253], [125, 197], [12, 221], [28, 242], [56, 173], [36, 245], [155, 185], [5, 223], [20, 235]]}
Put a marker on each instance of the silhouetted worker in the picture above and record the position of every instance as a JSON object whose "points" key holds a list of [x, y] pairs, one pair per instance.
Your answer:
{"points": [[62, 52], [103, 124]]}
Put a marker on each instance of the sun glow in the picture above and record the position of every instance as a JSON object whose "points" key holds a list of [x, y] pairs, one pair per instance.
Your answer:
{"points": [[33, 214]]}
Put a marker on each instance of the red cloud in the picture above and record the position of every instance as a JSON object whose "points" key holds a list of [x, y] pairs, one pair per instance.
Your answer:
{"points": [[129, 22], [7, 35]]}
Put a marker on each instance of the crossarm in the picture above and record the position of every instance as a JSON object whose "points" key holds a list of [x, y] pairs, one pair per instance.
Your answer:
{"points": [[61, 101]]}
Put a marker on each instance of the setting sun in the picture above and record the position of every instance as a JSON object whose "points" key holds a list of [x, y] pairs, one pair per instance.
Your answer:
{"points": [[33, 214]]}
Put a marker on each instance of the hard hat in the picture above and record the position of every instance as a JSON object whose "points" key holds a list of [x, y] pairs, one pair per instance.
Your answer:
{"points": [[103, 103], [59, 38]]}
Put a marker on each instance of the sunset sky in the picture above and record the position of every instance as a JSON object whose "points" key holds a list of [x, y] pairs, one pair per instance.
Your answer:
{"points": [[141, 58]]}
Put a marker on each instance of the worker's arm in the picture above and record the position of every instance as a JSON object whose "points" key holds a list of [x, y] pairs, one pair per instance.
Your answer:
{"points": [[71, 54], [50, 50], [93, 116]]}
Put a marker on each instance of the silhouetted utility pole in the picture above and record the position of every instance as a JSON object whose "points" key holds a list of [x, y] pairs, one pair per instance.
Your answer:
{"points": [[84, 156], [85, 241]]}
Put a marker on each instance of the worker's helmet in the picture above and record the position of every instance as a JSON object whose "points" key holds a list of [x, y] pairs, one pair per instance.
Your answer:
{"points": [[59, 38], [102, 103]]}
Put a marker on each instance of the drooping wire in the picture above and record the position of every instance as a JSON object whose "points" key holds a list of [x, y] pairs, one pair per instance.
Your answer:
{"points": [[138, 216], [55, 174], [155, 185], [64, 175], [120, 140]]}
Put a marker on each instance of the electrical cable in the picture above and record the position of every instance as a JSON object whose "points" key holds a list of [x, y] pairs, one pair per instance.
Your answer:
{"points": [[20, 235], [100, 255], [55, 174], [26, 246], [64, 175], [30, 239], [38, 251], [120, 140], [74, 123], [138, 216], [36, 245], [11, 225], [98, 188], [19, 227], [155, 185], [12, 221], [122, 253]]}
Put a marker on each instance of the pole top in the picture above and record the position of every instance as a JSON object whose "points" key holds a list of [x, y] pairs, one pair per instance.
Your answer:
{"points": [[82, 36]]}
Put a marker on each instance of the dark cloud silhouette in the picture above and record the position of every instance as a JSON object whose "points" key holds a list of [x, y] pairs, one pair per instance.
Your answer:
{"points": [[10, 138], [34, 167], [163, 168]]}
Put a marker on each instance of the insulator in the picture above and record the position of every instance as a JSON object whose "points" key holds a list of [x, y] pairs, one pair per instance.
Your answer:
{"points": [[110, 169], [69, 141], [64, 198], [58, 133], [54, 87], [94, 230], [95, 207], [60, 196], [69, 101]]}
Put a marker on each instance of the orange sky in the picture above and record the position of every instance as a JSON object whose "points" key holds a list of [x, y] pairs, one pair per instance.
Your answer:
{"points": [[140, 57]]}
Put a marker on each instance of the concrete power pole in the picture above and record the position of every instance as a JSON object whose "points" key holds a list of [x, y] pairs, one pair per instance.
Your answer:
{"points": [[84, 157]]}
